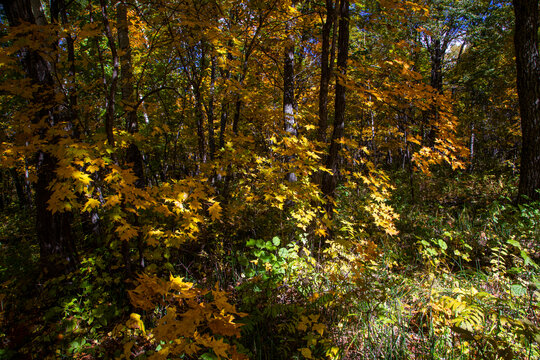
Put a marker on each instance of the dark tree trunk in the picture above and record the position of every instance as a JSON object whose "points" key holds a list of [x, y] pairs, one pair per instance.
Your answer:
{"points": [[111, 96], [289, 123], [57, 246], [325, 71], [528, 85], [199, 114], [211, 138], [332, 163], [129, 102], [18, 187], [436, 52], [236, 119], [223, 122]]}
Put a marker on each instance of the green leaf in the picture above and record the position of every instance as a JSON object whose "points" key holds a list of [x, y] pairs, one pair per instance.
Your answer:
{"points": [[276, 241], [442, 244], [518, 290], [208, 356], [514, 243]]}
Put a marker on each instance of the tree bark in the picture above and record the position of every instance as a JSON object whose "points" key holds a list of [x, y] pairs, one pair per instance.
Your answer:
{"points": [[57, 247], [289, 123], [325, 71], [528, 86], [129, 99], [111, 96], [211, 138], [332, 163]]}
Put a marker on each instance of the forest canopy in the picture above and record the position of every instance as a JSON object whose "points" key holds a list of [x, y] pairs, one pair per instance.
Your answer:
{"points": [[279, 179]]}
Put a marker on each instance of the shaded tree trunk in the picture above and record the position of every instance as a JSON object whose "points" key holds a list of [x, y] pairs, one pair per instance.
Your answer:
{"points": [[57, 247], [289, 123], [129, 99], [332, 163], [18, 187], [129, 102], [211, 138], [325, 71], [111, 95], [528, 86]]}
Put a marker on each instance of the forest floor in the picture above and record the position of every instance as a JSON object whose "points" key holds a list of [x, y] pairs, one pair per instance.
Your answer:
{"points": [[460, 281]]}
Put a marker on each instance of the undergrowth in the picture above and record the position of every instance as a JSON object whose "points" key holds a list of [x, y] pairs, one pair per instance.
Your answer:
{"points": [[460, 281]]}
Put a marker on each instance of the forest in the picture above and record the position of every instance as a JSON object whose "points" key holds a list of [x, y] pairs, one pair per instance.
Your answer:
{"points": [[269, 179]]}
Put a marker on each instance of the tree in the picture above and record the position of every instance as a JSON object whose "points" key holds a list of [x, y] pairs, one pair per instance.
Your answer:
{"points": [[332, 163], [54, 233], [528, 85]]}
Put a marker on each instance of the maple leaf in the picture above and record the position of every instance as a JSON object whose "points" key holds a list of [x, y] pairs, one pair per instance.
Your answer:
{"points": [[224, 325], [220, 348], [195, 205], [215, 211], [178, 284], [126, 232], [90, 204], [82, 177]]}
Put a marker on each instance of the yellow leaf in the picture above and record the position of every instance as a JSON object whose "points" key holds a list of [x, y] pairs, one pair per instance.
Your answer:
{"points": [[321, 231], [306, 353], [225, 326], [215, 211], [319, 328], [126, 232], [82, 177], [303, 324], [177, 283], [195, 205], [135, 322], [90, 204], [220, 348], [112, 200]]}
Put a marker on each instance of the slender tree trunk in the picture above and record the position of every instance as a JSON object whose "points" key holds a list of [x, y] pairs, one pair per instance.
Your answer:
{"points": [[471, 147], [57, 247], [18, 187], [199, 114], [223, 122], [211, 139], [129, 101], [436, 53], [325, 71], [289, 123], [332, 163], [528, 85], [236, 119], [111, 96]]}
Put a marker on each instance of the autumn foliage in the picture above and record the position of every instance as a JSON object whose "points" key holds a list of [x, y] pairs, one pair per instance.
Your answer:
{"points": [[263, 179]]}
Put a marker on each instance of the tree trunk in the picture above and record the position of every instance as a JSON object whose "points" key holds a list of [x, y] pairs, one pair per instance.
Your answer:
{"points": [[289, 123], [110, 99], [528, 86], [325, 71], [56, 243], [330, 181], [211, 138], [129, 102]]}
